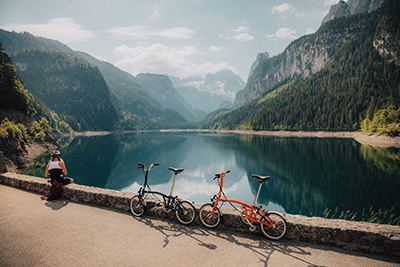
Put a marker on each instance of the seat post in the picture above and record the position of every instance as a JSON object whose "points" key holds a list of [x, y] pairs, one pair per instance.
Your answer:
{"points": [[258, 192], [173, 183]]}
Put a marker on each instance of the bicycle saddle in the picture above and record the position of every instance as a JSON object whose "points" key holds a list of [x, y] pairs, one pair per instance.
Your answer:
{"points": [[175, 170], [261, 178]]}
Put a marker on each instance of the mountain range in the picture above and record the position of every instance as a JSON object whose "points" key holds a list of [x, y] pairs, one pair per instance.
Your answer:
{"points": [[137, 108], [352, 7], [330, 80], [210, 92]]}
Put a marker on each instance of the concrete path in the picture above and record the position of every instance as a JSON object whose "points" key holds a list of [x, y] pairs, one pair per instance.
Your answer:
{"points": [[34, 232]]}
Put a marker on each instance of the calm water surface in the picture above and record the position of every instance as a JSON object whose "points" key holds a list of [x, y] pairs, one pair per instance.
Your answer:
{"points": [[308, 175]]}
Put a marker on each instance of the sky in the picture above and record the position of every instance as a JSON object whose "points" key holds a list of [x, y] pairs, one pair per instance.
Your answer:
{"points": [[175, 37]]}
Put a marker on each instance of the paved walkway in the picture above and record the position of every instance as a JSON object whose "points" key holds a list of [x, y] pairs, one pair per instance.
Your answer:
{"points": [[34, 232]]}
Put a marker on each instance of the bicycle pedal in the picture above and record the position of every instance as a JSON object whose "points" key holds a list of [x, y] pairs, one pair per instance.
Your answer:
{"points": [[252, 228]]}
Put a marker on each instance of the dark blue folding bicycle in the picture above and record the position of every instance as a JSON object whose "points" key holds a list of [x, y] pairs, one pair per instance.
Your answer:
{"points": [[184, 210]]}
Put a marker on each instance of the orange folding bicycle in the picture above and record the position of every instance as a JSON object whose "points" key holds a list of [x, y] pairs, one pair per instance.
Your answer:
{"points": [[272, 224]]}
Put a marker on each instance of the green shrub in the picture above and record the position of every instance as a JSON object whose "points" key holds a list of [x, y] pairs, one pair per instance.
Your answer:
{"points": [[13, 132], [385, 122], [20, 135]]}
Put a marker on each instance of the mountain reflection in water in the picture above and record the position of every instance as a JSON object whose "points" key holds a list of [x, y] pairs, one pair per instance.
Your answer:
{"points": [[308, 175]]}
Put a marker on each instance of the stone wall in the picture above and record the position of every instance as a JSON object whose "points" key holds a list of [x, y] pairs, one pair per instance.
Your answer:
{"points": [[367, 237]]}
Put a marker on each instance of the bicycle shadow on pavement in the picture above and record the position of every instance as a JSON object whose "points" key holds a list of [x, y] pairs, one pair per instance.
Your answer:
{"points": [[262, 248]]}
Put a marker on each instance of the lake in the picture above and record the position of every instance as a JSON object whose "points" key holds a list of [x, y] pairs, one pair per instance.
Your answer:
{"points": [[308, 175]]}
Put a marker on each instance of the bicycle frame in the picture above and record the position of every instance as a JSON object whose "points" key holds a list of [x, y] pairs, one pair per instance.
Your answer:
{"points": [[251, 210], [170, 202]]}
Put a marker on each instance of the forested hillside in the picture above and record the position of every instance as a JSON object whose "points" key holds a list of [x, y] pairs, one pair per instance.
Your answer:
{"points": [[136, 109], [16, 110], [70, 86], [14, 97], [355, 84]]}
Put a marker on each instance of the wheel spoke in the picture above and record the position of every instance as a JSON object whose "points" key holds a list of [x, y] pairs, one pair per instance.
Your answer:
{"points": [[278, 229], [207, 219], [185, 212]]}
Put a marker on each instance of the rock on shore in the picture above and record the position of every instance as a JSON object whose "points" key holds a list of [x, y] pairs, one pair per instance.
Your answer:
{"points": [[21, 158]]}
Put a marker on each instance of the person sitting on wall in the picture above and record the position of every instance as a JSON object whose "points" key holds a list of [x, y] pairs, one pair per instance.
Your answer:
{"points": [[56, 169]]}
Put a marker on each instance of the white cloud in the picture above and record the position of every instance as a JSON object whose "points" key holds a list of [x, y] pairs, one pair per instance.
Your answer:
{"points": [[159, 58], [310, 31], [139, 32], [331, 2], [155, 14], [215, 49], [282, 8], [283, 33], [243, 36], [176, 33], [62, 29], [240, 37], [241, 29]]}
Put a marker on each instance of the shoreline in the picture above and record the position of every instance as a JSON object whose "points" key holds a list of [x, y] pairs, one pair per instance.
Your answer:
{"points": [[369, 140]]}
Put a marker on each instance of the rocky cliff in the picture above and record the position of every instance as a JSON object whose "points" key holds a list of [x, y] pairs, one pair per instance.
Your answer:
{"points": [[387, 40], [352, 7], [306, 55]]}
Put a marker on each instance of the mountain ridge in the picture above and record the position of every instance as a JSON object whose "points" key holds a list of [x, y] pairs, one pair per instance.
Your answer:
{"points": [[69, 86], [161, 88], [352, 7], [349, 88], [302, 57], [208, 93], [136, 108]]}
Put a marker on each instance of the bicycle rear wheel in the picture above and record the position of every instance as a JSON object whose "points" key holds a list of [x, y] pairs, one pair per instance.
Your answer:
{"points": [[137, 206], [208, 220], [186, 212], [278, 229]]}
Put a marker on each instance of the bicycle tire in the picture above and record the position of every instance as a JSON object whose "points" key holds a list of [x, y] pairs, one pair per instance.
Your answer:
{"points": [[137, 206], [187, 217], [279, 228], [205, 218]]}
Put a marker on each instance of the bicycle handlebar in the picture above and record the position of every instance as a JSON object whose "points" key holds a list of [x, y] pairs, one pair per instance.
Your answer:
{"points": [[142, 166], [218, 175]]}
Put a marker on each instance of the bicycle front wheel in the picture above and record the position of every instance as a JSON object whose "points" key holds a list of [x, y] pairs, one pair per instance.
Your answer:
{"points": [[208, 220], [185, 212], [278, 229], [137, 206]]}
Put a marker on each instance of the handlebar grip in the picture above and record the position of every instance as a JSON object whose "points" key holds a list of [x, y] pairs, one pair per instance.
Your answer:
{"points": [[228, 171], [141, 165], [156, 164]]}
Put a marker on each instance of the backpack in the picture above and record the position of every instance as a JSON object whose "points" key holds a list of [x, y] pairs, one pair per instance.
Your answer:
{"points": [[54, 192]]}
